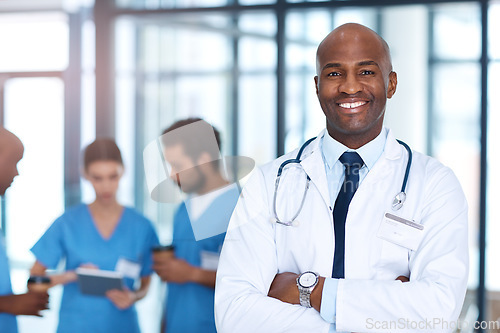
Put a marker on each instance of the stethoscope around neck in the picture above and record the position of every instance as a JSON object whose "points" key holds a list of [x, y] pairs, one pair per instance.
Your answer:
{"points": [[397, 202]]}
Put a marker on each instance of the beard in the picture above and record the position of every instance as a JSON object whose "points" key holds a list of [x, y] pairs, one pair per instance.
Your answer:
{"points": [[191, 180]]}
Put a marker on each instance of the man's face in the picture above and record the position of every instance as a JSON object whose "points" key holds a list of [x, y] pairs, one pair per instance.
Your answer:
{"points": [[9, 158], [184, 171], [353, 83]]}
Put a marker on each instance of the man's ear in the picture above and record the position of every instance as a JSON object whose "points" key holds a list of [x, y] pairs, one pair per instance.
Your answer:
{"points": [[393, 83], [316, 82]]}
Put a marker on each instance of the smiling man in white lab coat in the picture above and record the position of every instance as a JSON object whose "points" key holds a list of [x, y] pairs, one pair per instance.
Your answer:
{"points": [[349, 262]]}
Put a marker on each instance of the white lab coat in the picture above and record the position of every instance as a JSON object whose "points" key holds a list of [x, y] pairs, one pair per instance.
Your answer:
{"points": [[368, 299]]}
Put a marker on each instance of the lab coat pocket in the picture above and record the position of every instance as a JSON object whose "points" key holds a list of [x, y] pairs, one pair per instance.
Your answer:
{"points": [[393, 261]]}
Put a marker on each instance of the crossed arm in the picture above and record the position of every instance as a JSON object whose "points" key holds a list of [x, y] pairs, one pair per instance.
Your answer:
{"points": [[284, 288]]}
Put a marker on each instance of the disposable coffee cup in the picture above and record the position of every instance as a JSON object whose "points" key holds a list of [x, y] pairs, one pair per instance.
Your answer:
{"points": [[163, 252], [39, 283]]}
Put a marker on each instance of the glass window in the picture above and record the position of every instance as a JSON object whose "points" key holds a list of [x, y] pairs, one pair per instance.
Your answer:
{"points": [[456, 107], [304, 0], [40, 42], [257, 117], [308, 27], [405, 28], [88, 118], [41, 169], [455, 111], [193, 3], [261, 23], [456, 137], [125, 138], [304, 116], [257, 54], [155, 4], [183, 48], [457, 116], [365, 16], [457, 31], [36, 198], [197, 50], [125, 62], [301, 57], [256, 2], [493, 194], [203, 97], [494, 28], [493, 209]]}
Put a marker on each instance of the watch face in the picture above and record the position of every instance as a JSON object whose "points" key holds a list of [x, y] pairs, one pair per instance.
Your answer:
{"points": [[308, 279]]}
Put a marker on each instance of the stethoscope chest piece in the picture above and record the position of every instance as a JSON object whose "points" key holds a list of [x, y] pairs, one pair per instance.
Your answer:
{"points": [[398, 201]]}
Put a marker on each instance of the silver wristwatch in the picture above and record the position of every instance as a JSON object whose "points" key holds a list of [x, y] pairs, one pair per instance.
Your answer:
{"points": [[306, 283]]}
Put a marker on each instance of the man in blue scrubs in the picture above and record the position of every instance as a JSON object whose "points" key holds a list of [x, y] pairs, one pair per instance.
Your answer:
{"points": [[200, 224], [31, 303]]}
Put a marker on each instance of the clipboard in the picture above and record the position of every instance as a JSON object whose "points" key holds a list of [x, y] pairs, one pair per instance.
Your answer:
{"points": [[97, 282]]}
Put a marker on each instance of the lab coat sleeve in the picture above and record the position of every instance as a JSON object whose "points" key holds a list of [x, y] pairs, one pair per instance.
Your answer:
{"points": [[432, 300], [247, 266]]}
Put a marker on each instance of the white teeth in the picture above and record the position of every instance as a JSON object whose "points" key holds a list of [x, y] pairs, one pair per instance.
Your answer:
{"points": [[351, 105]]}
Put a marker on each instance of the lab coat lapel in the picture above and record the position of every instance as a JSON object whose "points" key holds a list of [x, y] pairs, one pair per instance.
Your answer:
{"points": [[314, 166], [393, 150], [385, 166]]}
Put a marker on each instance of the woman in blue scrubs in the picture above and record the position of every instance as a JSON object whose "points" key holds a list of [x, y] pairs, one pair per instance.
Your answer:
{"points": [[103, 235]]}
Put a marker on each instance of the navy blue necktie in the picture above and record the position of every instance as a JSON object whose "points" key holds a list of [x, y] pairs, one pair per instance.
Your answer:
{"points": [[352, 163]]}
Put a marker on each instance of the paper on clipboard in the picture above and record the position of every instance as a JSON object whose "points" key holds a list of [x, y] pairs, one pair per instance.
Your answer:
{"points": [[97, 282]]}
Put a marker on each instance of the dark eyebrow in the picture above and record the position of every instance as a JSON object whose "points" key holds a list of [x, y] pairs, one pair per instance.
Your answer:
{"points": [[331, 65], [368, 63], [361, 63]]}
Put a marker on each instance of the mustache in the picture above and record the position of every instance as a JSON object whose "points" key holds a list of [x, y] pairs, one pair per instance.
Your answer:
{"points": [[344, 96]]}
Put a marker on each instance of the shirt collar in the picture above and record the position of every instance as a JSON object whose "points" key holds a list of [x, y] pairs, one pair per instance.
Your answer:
{"points": [[370, 152]]}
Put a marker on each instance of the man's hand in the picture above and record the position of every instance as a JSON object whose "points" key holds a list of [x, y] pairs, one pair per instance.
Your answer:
{"points": [[284, 288], [175, 270], [29, 304], [122, 299]]}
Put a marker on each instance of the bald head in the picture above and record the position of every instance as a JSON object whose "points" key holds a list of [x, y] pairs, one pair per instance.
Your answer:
{"points": [[11, 152], [355, 32], [8, 139]]}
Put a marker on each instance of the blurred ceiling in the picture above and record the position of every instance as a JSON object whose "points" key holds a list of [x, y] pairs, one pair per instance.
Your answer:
{"points": [[30, 5]]}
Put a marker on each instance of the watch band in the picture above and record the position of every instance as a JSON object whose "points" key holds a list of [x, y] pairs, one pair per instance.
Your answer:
{"points": [[305, 297], [305, 292]]}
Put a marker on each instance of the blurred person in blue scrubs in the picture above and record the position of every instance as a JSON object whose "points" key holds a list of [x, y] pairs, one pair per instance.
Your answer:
{"points": [[103, 235], [200, 223], [31, 303]]}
